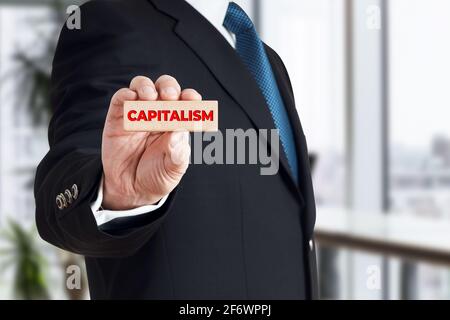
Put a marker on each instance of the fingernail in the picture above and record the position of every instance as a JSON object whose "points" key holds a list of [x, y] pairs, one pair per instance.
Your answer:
{"points": [[148, 91], [170, 92]]}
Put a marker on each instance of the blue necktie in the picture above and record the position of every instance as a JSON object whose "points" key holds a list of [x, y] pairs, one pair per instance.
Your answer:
{"points": [[251, 50]]}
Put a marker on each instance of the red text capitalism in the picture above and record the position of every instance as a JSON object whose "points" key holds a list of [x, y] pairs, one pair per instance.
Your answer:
{"points": [[171, 115]]}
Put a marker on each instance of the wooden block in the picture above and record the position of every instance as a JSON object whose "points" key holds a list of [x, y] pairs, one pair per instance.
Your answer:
{"points": [[193, 116]]}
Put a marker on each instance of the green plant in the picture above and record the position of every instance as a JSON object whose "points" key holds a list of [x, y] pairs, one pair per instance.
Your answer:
{"points": [[23, 255], [34, 71], [35, 80]]}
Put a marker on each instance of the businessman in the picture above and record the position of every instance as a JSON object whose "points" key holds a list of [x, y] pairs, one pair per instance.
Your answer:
{"points": [[150, 225]]}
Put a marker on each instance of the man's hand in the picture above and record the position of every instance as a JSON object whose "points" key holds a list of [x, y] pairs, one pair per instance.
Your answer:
{"points": [[140, 168]]}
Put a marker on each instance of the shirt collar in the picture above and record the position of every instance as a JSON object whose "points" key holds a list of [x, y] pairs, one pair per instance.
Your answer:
{"points": [[215, 14]]}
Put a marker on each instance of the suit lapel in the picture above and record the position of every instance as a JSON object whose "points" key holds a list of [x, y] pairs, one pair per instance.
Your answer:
{"points": [[224, 63], [305, 183], [288, 98]]}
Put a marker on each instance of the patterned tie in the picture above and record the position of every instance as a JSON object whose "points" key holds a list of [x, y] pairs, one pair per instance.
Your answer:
{"points": [[251, 50]]}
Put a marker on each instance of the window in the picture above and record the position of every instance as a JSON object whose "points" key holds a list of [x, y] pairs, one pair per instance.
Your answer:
{"points": [[420, 107], [419, 113], [309, 37]]}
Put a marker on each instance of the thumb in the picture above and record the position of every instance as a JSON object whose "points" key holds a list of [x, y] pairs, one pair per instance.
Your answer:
{"points": [[178, 153]]}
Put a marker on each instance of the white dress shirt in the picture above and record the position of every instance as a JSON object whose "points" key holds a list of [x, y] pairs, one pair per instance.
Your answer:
{"points": [[214, 11]]}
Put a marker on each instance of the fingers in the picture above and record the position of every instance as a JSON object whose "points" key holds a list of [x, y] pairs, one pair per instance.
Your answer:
{"points": [[141, 88], [144, 87], [123, 95], [117, 101], [190, 95], [168, 88]]}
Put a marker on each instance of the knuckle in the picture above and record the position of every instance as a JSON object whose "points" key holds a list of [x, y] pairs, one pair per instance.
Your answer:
{"points": [[166, 77], [192, 92], [140, 80], [168, 81], [117, 96], [121, 91]]}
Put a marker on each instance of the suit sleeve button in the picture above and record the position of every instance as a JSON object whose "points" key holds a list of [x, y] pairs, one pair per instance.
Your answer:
{"points": [[64, 200], [74, 192], [60, 202], [68, 196]]}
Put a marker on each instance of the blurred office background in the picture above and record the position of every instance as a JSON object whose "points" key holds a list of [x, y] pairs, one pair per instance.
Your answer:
{"points": [[372, 86]]}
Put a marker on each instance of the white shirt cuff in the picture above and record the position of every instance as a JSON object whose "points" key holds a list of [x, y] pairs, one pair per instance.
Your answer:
{"points": [[103, 216]]}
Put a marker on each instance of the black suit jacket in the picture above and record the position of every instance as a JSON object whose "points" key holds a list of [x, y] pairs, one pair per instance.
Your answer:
{"points": [[226, 232]]}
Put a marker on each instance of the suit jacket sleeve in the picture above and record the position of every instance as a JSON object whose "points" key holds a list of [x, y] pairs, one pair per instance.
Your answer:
{"points": [[89, 66]]}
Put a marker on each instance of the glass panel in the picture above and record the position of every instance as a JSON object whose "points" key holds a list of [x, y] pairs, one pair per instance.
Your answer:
{"points": [[309, 37], [419, 126], [419, 113]]}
